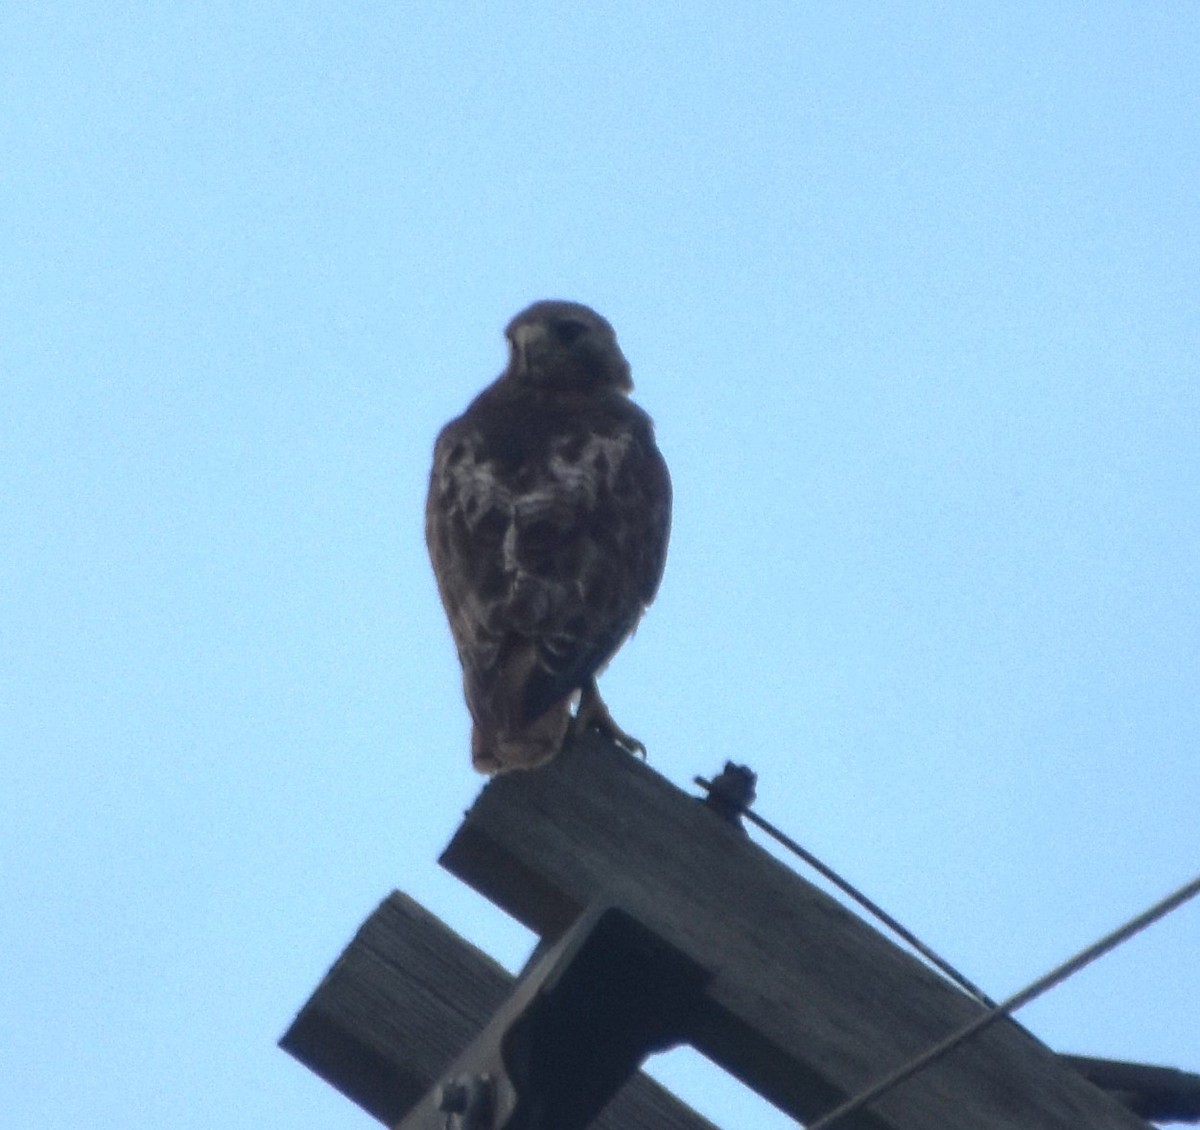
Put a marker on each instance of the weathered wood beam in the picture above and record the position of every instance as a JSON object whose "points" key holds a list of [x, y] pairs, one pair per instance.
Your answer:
{"points": [[1160, 1094], [404, 1000], [806, 1004]]}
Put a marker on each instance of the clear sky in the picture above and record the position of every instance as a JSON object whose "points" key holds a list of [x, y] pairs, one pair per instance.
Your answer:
{"points": [[913, 295]]}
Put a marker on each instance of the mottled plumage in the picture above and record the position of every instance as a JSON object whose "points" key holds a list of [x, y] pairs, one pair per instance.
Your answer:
{"points": [[547, 521]]}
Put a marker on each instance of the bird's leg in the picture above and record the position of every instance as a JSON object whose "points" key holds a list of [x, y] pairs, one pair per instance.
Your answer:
{"points": [[593, 715]]}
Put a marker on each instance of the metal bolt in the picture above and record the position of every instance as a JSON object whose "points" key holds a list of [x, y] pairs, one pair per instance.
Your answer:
{"points": [[732, 792], [467, 1102]]}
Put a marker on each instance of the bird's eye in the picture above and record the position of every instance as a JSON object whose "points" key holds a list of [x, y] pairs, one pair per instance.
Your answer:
{"points": [[569, 331]]}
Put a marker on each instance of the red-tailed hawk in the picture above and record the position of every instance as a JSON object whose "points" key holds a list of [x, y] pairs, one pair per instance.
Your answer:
{"points": [[547, 521]]}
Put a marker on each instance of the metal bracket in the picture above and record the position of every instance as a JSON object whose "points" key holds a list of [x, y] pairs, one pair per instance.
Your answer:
{"points": [[578, 1024]]}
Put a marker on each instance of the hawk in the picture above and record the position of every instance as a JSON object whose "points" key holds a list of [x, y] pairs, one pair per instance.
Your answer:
{"points": [[547, 521]]}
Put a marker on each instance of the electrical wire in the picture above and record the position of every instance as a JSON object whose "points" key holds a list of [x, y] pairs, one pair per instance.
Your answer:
{"points": [[740, 807], [867, 904], [1041, 985]]}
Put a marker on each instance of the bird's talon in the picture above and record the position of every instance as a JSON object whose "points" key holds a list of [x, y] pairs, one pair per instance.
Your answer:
{"points": [[618, 737], [593, 715]]}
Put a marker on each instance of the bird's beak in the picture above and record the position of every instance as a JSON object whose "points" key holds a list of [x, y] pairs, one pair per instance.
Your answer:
{"points": [[626, 381], [522, 338]]}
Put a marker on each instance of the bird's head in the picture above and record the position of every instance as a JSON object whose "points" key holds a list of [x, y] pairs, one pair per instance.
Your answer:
{"points": [[566, 345]]}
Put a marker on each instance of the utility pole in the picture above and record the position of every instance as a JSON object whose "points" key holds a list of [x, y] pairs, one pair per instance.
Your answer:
{"points": [[661, 923]]}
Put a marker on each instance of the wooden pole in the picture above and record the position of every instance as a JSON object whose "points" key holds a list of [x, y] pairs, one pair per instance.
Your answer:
{"points": [[804, 1003], [402, 1002]]}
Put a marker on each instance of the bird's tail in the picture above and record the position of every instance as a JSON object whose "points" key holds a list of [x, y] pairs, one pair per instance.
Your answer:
{"points": [[499, 751], [503, 736]]}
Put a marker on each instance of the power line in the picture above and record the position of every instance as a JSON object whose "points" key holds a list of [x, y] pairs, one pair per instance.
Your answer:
{"points": [[723, 790], [1054, 977], [731, 795]]}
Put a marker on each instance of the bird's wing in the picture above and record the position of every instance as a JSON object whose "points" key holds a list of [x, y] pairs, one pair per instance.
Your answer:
{"points": [[545, 565], [613, 550]]}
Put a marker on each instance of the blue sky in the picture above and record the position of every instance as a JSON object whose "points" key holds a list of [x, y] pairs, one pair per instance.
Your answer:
{"points": [[911, 293]]}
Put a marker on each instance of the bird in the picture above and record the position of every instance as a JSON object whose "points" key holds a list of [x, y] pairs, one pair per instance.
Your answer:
{"points": [[547, 521]]}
